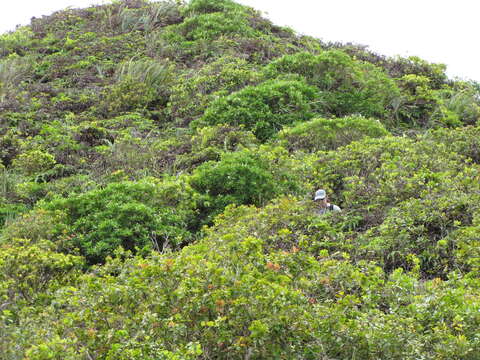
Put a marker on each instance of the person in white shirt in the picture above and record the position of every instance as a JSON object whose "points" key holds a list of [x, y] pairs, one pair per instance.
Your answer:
{"points": [[323, 204]]}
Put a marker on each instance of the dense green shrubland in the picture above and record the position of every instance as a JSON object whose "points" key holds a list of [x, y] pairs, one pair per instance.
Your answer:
{"points": [[157, 161], [264, 109], [329, 134]]}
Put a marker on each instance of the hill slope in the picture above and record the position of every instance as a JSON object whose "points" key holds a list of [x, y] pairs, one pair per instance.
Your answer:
{"points": [[157, 164]]}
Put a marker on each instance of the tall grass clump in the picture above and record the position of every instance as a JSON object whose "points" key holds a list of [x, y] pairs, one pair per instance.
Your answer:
{"points": [[13, 70], [154, 74]]}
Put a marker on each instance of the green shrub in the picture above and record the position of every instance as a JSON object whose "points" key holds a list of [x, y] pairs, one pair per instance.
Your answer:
{"points": [[347, 86], [38, 225], [426, 229], [210, 142], [214, 25], [264, 109], [9, 211], [422, 105], [130, 123], [399, 67], [143, 215], [247, 299], [329, 134], [463, 102], [128, 95], [238, 178], [28, 270], [58, 137], [136, 157], [34, 162], [463, 140], [210, 6], [90, 134], [9, 147], [17, 42], [370, 176], [196, 90], [224, 137]]}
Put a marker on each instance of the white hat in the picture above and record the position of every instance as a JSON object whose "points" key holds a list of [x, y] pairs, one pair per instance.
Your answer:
{"points": [[320, 195]]}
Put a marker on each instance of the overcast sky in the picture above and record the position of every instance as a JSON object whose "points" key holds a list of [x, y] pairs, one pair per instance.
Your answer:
{"points": [[442, 31]]}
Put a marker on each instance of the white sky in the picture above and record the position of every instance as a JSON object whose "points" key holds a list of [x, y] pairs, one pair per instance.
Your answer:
{"points": [[442, 31]]}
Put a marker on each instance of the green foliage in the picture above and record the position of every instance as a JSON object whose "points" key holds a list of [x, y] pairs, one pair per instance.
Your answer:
{"points": [[248, 299], [8, 211], [347, 86], [329, 134], [9, 144], [211, 6], [414, 65], [424, 229], [34, 162], [13, 70], [419, 102], [141, 215], [425, 106], [238, 178], [464, 140], [28, 270], [38, 225], [150, 17], [16, 42], [196, 90], [128, 95], [210, 142], [223, 137], [157, 166], [264, 109], [463, 102], [212, 26], [155, 75]]}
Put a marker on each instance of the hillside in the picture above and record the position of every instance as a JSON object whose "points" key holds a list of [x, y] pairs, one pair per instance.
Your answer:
{"points": [[158, 162]]}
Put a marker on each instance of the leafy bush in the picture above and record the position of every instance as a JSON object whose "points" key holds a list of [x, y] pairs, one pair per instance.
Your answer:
{"points": [[399, 67], [212, 26], [329, 134], [211, 6], [419, 101], [16, 42], [247, 299], [462, 101], [141, 216], [38, 225], [238, 178], [8, 211], [223, 137], [425, 229], [463, 140], [196, 90], [9, 147], [29, 270], [264, 108], [128, 95], [212, 141], [34, 162], [347, 86], [372, 175]]}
